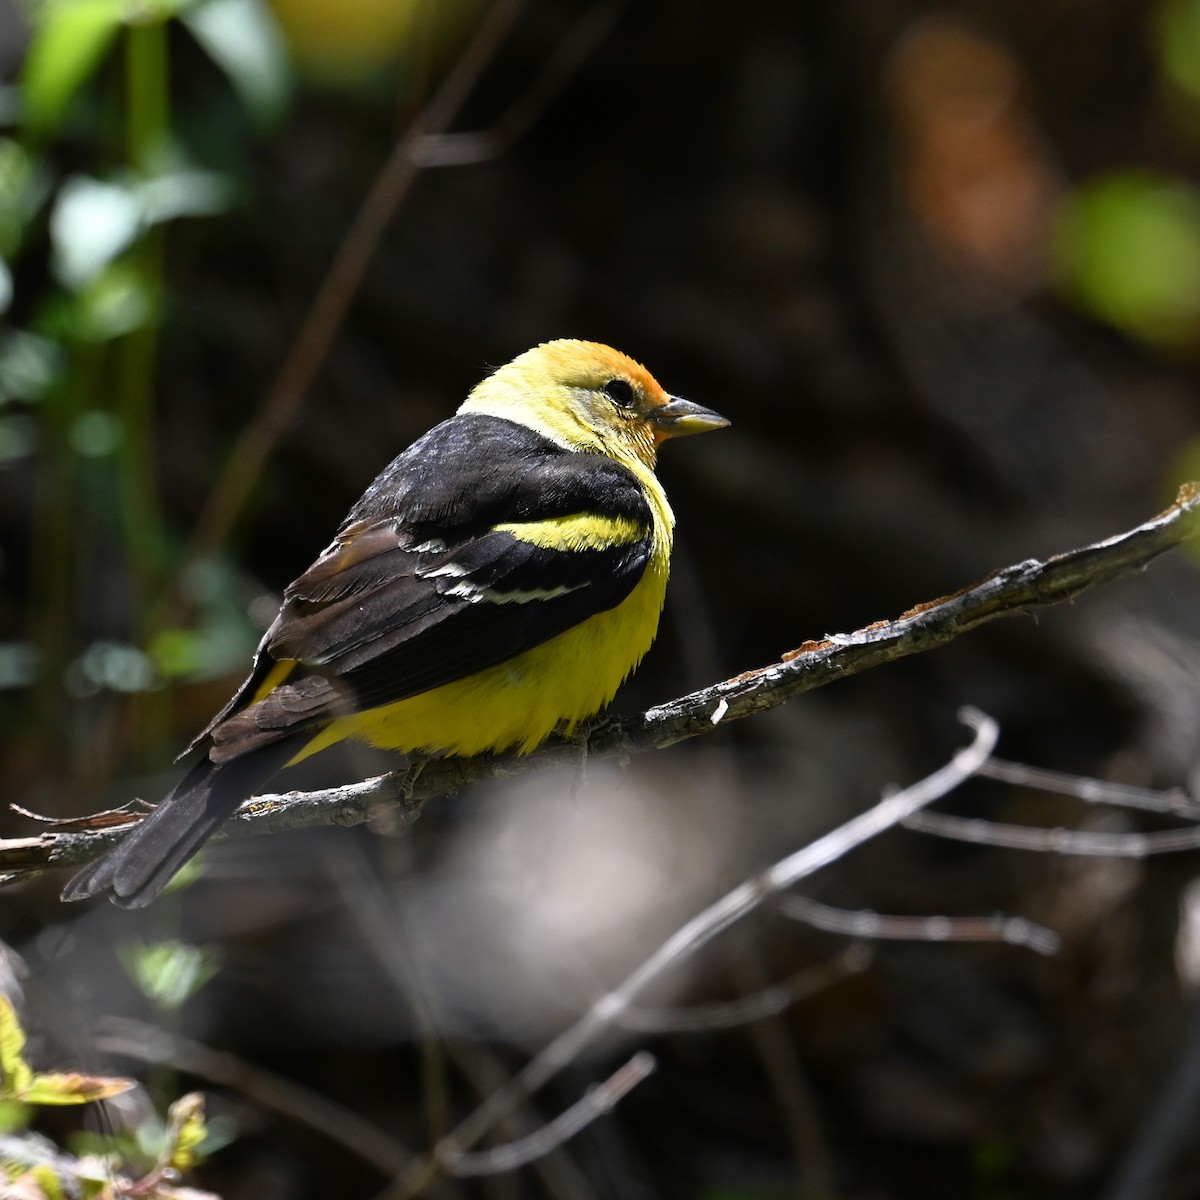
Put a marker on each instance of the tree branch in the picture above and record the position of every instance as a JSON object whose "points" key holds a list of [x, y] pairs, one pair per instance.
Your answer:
{"points": [[1025, 587], [691, 937]]}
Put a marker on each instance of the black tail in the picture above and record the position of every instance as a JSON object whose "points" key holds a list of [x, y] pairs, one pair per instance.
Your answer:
{"points": [[138, 867]]}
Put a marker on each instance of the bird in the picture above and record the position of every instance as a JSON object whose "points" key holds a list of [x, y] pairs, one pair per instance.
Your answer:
{"points": [[499, 580]]}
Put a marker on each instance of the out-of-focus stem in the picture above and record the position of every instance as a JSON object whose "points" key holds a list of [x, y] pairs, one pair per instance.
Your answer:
{"points": [[147, 108], [54, 567]]}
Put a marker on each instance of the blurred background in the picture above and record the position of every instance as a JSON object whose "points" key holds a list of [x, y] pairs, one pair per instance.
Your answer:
{"points": [[939, 264]]}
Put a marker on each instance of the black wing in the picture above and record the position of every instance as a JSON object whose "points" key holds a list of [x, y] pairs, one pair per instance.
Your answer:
{"points": [[420, 589]]}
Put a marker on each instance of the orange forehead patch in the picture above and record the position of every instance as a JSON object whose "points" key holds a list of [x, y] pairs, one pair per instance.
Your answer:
{"points": [[590, 364]]}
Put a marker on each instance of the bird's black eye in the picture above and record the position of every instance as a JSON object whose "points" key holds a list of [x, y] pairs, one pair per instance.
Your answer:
{"points": [[620, 392]]}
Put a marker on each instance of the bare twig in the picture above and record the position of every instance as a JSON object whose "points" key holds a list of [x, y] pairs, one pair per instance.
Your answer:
{"points": [[696, 933], [138, 1040], [598, 1100], [1022, 588], [1175, 801], [1014, 931], [1081, 843], [465, 149], [767, 1002]]}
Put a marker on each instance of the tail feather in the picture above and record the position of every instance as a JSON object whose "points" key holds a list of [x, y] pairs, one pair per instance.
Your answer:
{"points": [[137, 869]]}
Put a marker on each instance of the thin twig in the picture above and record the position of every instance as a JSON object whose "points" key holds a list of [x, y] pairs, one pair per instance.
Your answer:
{"points": [[1026, 587], [1174, 801], [1080, 843], [767, 1002], [477, 146], [1013, 931], [136, 1039], [598, 1100]]}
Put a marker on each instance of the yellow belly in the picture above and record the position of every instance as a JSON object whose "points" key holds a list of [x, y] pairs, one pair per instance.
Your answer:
{"points": [[518, 703]]}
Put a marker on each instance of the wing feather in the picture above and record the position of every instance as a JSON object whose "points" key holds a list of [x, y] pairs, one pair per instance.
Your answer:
{"points": [[420, 589]]}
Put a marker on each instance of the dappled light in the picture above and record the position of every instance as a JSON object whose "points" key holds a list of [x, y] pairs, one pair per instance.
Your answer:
{"points": [[876, 880]]}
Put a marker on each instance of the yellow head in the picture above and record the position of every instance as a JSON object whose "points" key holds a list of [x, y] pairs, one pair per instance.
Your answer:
{"points": [[588, 396]]}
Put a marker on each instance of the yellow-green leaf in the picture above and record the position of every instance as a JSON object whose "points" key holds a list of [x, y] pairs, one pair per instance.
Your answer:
{"points": [[70, 37], [46, 1179], [14, 1116], [169, 973], [73, 1087], [15, 1070], [185, 1131], [1178, 28], [1128, 251]]}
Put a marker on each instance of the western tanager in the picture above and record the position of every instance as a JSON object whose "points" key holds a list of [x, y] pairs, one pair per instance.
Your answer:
{"points": [[499, 579]]}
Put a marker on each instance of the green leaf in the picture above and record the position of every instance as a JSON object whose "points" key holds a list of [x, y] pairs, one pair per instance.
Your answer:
{"points": [[1128, 250], [70, 37], [49, 1087], [176, 653], [97, 433], [95, 220], [242, 38], [1178, 33], [183, 192], [169, 973], [47, 1180], [116, 302], [18, 664], [13, 1067], [18, 440], [91, 223], [21, 191], [29, 365], [14, 1116], [111, 666]]}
